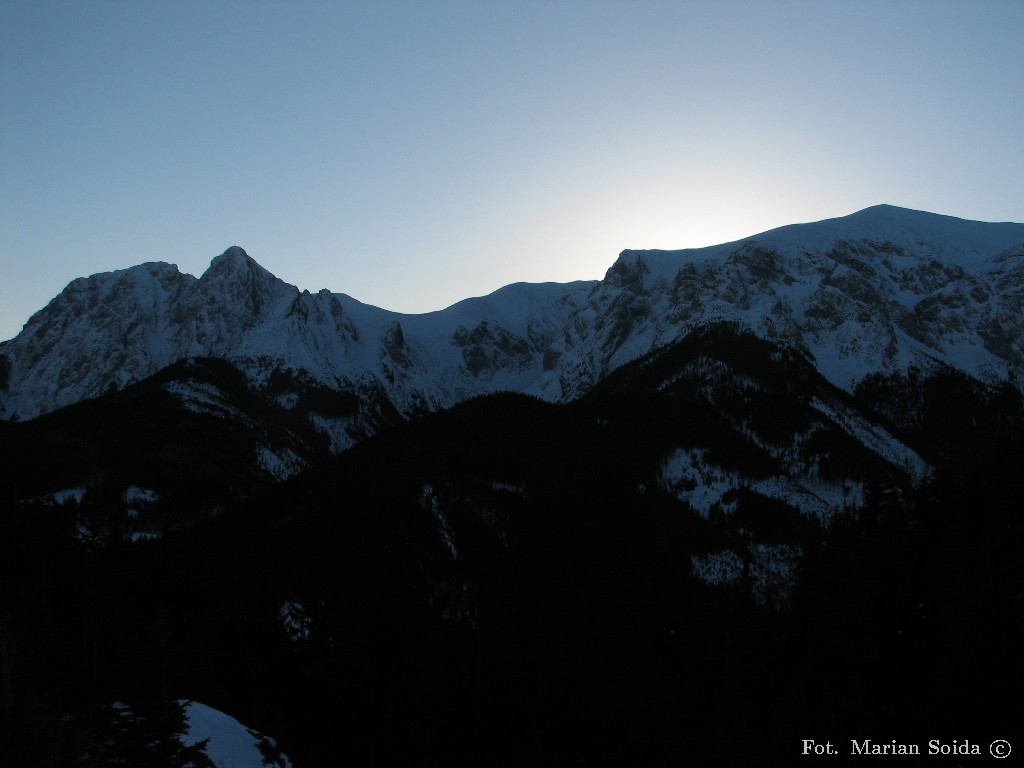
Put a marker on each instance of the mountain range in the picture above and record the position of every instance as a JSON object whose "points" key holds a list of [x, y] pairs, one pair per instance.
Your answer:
{"points": [[739, 495], [882, 290]]}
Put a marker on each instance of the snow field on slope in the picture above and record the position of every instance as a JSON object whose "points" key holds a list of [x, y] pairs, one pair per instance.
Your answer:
{"points": [[231, 745], [875, 439], [691, 478]]}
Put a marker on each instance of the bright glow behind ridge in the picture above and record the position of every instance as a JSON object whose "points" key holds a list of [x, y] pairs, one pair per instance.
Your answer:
{"points": [[413, 154]]}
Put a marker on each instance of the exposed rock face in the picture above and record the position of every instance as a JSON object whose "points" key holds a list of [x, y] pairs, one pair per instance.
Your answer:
{"points": [[882, 290], [486, 350]]}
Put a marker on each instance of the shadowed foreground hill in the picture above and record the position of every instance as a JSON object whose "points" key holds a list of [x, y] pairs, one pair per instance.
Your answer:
{"points": [[711, 557]]}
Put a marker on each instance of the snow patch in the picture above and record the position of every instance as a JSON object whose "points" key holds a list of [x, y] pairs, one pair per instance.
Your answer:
{"points": [[336, 430], [133, 494], [231, 744], [691, 478], [288, 400], [69, 494], [724, 567], [429, 498], [695, 481], [281, 465], [875, 439], [200, 397]]}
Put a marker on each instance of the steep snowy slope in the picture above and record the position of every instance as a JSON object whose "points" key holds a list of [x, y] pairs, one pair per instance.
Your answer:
{"points": [[228, 743], [116, 328], [882, 290]]}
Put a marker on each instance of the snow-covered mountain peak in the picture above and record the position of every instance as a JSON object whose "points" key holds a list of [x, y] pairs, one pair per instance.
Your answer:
{"points": [[881, 290], [234, 252], [887, 225], [234, 259], [237, 293], [235, 264], [884, 289]]}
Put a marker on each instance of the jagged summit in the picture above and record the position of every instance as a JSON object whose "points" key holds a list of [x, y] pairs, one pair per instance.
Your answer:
{"points": [[235, 251], [234, 257], [234, 261], [882, 290]]}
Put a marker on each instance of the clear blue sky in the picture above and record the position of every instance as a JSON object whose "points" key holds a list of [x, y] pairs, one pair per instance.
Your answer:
{"points": [[415, 153]]}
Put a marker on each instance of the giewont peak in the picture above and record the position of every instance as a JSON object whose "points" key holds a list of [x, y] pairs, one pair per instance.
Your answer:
{"points": [[234, 256], [234, 263]]}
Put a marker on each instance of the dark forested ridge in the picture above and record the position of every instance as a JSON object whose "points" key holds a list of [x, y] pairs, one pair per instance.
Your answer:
{"points": [[514, 582]]}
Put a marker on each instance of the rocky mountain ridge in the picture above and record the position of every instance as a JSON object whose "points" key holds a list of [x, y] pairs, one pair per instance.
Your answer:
{"points": [[883, 290]]}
